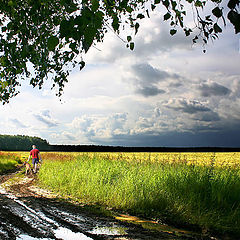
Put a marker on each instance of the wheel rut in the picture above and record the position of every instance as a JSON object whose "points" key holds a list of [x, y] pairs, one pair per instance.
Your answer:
{"points": [[29, 214]]}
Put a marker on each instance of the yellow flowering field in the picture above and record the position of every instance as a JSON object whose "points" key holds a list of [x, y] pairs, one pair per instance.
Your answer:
{"points": [[218, 159]]}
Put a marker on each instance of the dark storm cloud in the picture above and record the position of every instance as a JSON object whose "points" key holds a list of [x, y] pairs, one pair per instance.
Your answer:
{"points": [[216, 138], [175, 84], [150, 91], [148, 74], [207, 116], [17, 123], [147, 78], [187, 106], [213, 89]]}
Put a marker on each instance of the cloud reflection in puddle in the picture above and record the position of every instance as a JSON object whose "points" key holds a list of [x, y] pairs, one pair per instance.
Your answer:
{"points": [[66, 234], [60, 233]]}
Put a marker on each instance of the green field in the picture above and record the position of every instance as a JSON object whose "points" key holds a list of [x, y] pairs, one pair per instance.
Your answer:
{"points": [[8, 161], [174, 187]]}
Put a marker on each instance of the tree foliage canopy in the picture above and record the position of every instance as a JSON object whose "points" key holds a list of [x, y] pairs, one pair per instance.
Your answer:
{"points": [[41, 39]]}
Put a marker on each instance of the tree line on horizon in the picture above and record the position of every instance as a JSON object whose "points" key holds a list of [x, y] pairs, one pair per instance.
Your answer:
{"points": [[24, 143]]}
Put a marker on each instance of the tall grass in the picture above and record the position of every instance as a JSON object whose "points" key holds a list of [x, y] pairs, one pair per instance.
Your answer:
{"points": [[205, 196], [8, 161]]}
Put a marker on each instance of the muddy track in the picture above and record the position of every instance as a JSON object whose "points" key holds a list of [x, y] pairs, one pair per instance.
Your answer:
{"points": [[28, 215]]}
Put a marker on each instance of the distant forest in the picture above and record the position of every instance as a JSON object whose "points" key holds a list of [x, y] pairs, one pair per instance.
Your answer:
{"points": [[21, 143], [24, 143]]}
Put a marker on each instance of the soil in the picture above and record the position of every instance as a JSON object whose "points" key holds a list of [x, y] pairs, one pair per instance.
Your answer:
{"points": [[28, 213]]}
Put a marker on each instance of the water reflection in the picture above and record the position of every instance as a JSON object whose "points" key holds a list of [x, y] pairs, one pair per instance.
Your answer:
{"points": [[60, 233], [114, 230], [153, 225], [66, 234], [27, 237]]}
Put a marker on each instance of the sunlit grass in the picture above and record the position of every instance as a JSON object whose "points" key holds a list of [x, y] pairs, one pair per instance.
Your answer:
{"points": [[171, 186], [8, 161]]}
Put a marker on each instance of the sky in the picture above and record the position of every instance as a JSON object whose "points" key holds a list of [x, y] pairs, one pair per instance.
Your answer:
{"points": [[166, 92]]}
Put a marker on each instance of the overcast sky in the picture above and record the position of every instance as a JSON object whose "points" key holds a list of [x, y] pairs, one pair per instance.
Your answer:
{"points": [[167, 92]]}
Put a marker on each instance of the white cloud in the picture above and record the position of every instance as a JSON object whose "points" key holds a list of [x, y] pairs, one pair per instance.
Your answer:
{"points": [[187, 106], [17, 123], [213, 89]]}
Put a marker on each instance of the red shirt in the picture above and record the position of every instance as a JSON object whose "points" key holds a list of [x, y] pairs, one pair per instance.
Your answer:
{"points": [[34, 152]]}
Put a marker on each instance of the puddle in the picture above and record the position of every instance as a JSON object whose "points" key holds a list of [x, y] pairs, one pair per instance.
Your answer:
{"points": [[152, 225], [60, 233], [66, 234], [27, 237], [109, 231], [36, 214]]}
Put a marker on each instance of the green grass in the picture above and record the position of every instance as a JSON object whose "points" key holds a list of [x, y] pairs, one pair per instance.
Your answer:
{"points": [[184, 194], [8, 161]]}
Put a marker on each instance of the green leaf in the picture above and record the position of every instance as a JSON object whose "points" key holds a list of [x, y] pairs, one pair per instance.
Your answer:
{"points": [[166, 16], [195, 39], [234, 18], [129, 9], [53, 41], [216, 28], [129, 38], [89, 36], [147, 13], [73, 46], [156, 1], [140, 16], [232, 3], [10, 3], [173, 31], [217, 12], [206, 34], [187, 31], [174, 4], [131, 45], [4, 84], [115, 23], [66, 27], [208, 18], [99, 15], [136, 27], [82, 65], [198, 3], [166, 3], [153, 7]]}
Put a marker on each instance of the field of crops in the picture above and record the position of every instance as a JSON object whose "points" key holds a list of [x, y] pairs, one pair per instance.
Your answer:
{"points": [[220, 159], [184, 188]]}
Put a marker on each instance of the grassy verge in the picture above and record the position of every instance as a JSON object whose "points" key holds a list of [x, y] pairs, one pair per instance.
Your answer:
{"points": [[8, 161], [205, 196]]}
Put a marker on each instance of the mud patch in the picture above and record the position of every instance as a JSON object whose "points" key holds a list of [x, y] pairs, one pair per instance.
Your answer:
{"points": [[28, 213]]}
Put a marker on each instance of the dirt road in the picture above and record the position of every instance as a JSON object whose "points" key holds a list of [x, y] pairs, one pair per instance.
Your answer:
{"points": [[29, 213]]}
